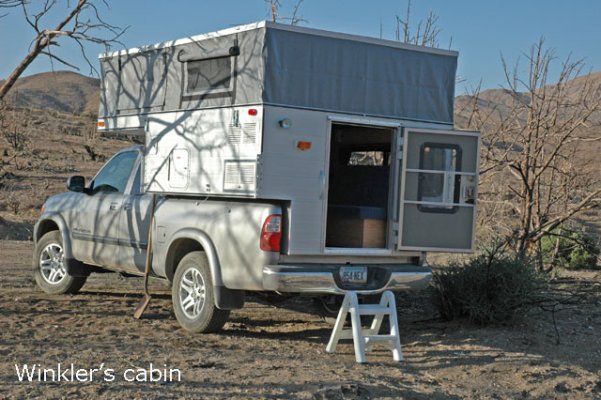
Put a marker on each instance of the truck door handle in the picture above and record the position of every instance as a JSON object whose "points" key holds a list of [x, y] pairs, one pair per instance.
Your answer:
{"points": [[114, 206]]}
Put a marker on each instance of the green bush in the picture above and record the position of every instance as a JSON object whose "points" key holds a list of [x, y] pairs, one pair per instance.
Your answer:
{"points": [[570, 249], [486, 289]]}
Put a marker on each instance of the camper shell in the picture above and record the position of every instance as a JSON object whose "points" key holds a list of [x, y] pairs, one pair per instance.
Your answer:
{"points": [[352, 136]]}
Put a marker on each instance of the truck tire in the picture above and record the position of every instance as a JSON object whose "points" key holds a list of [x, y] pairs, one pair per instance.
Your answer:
{"points": [[49, 269], [193, 296]]}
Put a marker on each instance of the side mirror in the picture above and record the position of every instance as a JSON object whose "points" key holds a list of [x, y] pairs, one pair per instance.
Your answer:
{"points": [[76, 183]]}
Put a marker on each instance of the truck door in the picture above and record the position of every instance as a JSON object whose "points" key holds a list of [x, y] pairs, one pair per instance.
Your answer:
{"points": [[133, 227], [95, 231], [438, 190]]}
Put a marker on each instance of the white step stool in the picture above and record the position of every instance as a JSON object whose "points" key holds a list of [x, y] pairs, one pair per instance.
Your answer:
{"points": [[364, 338]]}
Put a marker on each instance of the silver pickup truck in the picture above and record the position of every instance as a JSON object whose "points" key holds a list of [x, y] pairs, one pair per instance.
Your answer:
{"points": [[211, 250]]}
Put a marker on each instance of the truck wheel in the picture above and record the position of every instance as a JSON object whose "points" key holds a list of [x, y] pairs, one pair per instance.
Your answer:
{"points": [[193, 296], [49, 269]]}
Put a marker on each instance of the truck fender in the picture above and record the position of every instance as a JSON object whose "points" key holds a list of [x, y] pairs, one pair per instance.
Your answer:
{"points": [[225, 299], [74, 267], [63, 228], [203, 239]]}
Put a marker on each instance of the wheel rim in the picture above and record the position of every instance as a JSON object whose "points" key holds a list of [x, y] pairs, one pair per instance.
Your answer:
{"points": [[52, 266], [192, 292]]}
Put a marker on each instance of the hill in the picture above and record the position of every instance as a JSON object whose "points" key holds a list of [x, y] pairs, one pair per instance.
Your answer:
{"points": [[500, 100], [62, 91]]}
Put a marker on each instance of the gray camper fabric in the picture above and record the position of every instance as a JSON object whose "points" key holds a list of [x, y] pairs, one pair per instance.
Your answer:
{"points": [[275, 64]]}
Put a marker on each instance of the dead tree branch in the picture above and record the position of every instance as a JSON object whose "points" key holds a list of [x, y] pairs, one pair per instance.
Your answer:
{"points": [[274, 10], [82, 23], [425, 34]]}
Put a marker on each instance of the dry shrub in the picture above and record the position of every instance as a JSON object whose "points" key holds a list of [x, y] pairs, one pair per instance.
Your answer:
{"points": [[490, 288]]}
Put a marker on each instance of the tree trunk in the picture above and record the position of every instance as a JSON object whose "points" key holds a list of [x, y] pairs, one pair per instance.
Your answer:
{"points": [[12, 79]]}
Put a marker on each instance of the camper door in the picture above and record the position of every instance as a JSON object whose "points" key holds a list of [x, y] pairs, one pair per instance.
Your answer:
{"points": [[438, 190]]}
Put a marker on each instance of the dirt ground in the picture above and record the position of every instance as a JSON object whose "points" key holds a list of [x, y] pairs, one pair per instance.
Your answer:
{"points": [[279, 352]]}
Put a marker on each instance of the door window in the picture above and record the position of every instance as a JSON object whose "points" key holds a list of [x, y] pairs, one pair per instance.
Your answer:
{"points": [[113, 177], [438, 182]]}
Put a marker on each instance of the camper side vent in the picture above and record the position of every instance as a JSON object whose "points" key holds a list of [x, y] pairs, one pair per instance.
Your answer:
{"points": [[240, 176], [249, 130], [234, 134]]}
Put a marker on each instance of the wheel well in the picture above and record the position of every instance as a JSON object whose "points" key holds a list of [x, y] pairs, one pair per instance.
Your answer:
{"points": [[176, 252], [45, 227]]}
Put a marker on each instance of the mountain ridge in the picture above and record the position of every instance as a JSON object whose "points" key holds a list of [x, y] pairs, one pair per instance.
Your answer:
{"points": [[71, 92]]}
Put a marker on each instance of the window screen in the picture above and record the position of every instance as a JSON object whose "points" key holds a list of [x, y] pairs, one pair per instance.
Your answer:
{"points": [[440, 184], [210, 75]]}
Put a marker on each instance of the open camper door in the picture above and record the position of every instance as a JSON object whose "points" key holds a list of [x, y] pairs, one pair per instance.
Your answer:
{"points": [[439, 180]]}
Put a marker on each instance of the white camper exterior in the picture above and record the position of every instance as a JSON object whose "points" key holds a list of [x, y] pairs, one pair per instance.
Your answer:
{"points": [[353, 136]]}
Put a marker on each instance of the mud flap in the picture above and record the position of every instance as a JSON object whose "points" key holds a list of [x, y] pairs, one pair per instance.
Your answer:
{"points": [[228, 299]]}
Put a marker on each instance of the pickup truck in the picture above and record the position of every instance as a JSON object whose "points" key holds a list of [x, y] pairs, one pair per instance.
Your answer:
{"points": [[210, 249]]}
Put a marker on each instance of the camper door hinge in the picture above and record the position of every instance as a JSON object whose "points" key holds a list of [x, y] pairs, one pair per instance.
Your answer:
{"points": [[395, 232], [399, 152]]}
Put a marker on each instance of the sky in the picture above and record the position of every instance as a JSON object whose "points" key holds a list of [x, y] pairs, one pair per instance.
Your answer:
{"points": [[481, 30]]}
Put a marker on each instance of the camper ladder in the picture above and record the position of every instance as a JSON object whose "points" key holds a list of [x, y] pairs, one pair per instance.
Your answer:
{"points": [[364, 338]]}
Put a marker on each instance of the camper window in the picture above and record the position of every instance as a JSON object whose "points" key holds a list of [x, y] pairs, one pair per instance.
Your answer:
{"points": [[208, 76], [369, 158], [438, 182]]}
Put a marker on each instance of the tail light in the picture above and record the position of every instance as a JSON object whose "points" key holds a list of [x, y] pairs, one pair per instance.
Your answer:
{"points": [[271, 234]]}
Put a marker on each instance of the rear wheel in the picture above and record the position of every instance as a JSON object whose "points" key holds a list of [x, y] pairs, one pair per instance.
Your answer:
{"points": [[49, 266], [193, 296]]}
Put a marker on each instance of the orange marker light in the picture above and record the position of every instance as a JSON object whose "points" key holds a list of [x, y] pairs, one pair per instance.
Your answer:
{"points": [[303, 146], [101, 124]]}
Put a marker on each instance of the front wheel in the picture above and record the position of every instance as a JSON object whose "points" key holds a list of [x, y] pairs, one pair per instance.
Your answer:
{"points": [[193, 296], [49, 269]]}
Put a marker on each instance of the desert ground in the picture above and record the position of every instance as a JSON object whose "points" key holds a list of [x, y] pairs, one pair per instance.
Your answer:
{"points": [[268, 351]]}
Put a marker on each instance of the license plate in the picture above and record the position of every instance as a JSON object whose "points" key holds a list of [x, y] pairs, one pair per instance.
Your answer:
{"points": [[353, 274]]}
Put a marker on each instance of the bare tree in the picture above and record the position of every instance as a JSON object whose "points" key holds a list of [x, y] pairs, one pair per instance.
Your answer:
{"points": [[274, 10], [425, 34], [82, 23], [274, 7], [536, 170]]}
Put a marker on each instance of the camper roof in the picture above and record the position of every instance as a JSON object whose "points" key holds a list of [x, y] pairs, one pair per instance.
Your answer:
{"points": [[284, 27], [274, 64]]}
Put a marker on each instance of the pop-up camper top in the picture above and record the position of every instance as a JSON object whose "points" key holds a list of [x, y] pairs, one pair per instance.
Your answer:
{"points": [[353, 136]]}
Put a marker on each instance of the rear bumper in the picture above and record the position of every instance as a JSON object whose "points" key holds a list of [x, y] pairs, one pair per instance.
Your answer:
{"points": [[306, 278]]}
